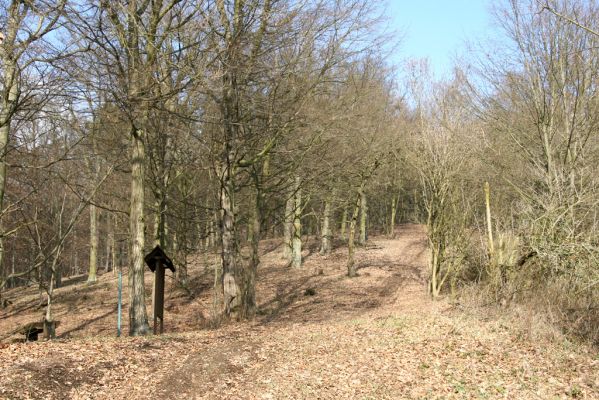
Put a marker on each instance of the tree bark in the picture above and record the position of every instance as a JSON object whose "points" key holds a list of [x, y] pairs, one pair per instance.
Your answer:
{"points": [[112, 241], [49, 326], [93, 244], [288, 228], [161, 227], [181, 274], [343, 223], [296, 248], [138, 319], [351, 265], [228, 246], [363, 217], [207, 233], [393, 216], [248, 293], [213, 235], [8, 106], [325, 248]]}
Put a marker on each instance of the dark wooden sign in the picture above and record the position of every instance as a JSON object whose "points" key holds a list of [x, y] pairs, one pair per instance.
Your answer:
{"points": [[157, 261]]}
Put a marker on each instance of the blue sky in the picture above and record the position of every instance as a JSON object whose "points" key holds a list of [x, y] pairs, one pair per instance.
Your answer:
{"points": [[438, 29]]}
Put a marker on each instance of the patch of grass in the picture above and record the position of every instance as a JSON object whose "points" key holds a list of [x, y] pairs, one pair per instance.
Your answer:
{"points": [[424, 366], [459, 387], [356, 322], [575, 392], [393, 322]]}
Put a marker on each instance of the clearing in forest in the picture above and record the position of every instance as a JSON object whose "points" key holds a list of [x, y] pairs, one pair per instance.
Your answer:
{"points": [[319, 335]]}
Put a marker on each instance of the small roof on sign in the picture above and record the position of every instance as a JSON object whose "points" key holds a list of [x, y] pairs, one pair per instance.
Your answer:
{"points": [[156, 255]]}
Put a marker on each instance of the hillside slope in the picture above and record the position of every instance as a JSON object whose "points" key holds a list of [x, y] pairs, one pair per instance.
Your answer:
{"points": [[377, 336]]}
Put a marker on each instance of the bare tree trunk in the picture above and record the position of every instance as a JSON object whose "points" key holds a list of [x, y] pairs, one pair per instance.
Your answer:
{"points": [[175, 244], [393, 215], [180, 256], [58, 276], [13, 280], [49, 324], [343, 223], [228, 245], [181, 245], [351, 265], [248, 292], [325, 248], [213, 235], [207, 230], [160, 227], [489, 222], [138, 319], [112, 241], [93, 244], [49, 327], [182, 275], [296, 249], [8, 106], [107, 234], [434, 287], [288, 228], [363, 217]]}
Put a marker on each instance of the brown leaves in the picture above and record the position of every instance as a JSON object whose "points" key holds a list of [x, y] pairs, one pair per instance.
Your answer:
{"points": [[326, 346]]}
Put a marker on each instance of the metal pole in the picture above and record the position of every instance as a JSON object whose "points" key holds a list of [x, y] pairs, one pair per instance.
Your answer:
{"points": [[120, 303]]}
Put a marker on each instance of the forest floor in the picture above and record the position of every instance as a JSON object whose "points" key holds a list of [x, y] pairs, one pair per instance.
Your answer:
{"points": [[318, 335]]}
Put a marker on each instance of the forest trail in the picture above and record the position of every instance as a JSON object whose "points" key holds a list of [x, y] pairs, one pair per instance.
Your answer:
{"points": [[319, 335]]}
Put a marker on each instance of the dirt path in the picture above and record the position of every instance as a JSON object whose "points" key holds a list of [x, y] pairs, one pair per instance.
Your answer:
{"points": [[374, 337], [403, 347]]}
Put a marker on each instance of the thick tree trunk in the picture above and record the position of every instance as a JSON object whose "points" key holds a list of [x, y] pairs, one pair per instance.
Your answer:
{"points": [[248, 292], [138, 319], [296, 248], [325, 247], [8, 105], [228, 246], [93, 244], [363, 218]]}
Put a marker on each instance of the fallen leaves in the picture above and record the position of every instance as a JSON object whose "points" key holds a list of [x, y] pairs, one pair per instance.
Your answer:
{"points": [[374, 337]]}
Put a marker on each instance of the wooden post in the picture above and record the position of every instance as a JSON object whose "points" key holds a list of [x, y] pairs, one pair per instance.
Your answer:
{"points": [[158, 261], [158, 299]]}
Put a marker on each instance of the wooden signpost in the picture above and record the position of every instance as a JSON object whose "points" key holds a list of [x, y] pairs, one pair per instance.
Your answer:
{"points": [[157, 261]]}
